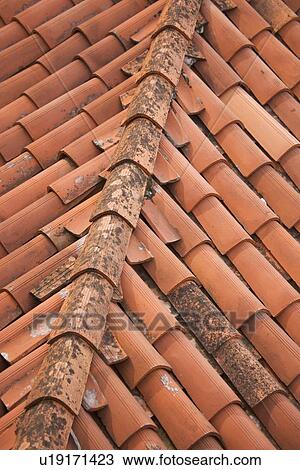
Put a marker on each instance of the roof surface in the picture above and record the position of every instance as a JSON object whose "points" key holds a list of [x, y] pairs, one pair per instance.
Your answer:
{"points": [[201, 343]]}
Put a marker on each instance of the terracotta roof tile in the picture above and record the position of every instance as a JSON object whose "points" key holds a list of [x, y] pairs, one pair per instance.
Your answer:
{"points": [[277, 13], [242, 12], [178, 273], [72, 40], [250, 210], [142, 358], [32, 190], [24, 258], [286, 206], [11, 34], [214, 69], [168, 402], [290, 163], [294, 388], [190, 234], [174, 17], [202, 190], [8, 420], [101, 53], [138, 28], [278, 57], [39, 14], [174, 130], [257, 76], [17, 380], [62, 109], [261, 174], [82, 105], [159, 223], [217, 27], [283, 412], [46, 149], [64, 53], [8, 437], [263, 324], [232, 421], [88, 433], [15, 111], [211, 394], [111, 18], [265, 382], [37, 214], [132, 417], [250, 67], [13, 142], [215, 115], [199, 150], [276, 300], [289, 34], [146, 439], [56, 30], [289, 320], [287, 109], [282, 141], [235, 300], [12, 88], [112, 74], [9, 9], [110, 102], [282, 373], [211, 214], [140, 300], [26, 333], [70, 77], [274, 237], [20, 55], [137, 253]]}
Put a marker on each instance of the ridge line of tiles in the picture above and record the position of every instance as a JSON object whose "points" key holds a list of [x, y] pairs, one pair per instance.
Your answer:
{"points": [[97, 274]]}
